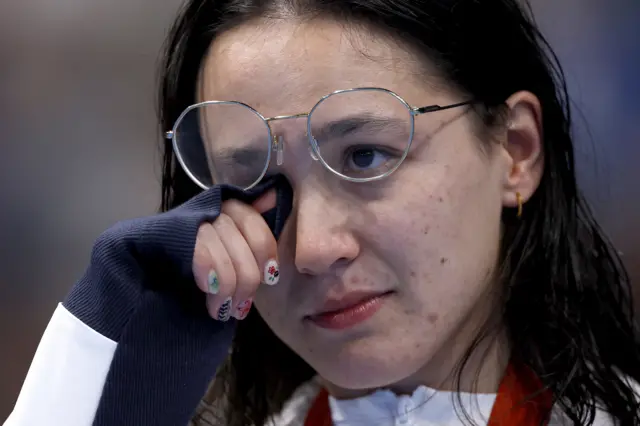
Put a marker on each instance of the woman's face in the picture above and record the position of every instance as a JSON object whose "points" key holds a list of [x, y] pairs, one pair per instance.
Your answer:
{"points": [[425, 239]]}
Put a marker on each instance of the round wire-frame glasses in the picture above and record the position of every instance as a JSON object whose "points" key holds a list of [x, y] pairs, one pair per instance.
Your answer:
{"points": [[275, 144]]}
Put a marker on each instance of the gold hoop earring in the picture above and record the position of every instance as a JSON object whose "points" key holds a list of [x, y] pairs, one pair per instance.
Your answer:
{"points": [[519, 201]]}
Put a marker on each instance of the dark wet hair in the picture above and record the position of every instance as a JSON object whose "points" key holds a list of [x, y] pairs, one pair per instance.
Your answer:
{"points": [[567, 297]]}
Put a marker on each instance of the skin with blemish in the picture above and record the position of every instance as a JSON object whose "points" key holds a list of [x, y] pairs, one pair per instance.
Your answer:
{"points": [[429, 233]]}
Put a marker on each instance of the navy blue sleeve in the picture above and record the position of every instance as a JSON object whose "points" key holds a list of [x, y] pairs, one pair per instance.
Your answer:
{"points": [[139, 292]]}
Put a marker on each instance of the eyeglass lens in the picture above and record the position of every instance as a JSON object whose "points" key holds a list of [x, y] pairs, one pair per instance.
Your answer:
{"points": [[359, 135]]}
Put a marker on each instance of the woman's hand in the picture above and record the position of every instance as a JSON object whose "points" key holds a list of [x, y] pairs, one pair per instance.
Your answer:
{"points": [[234, 255]]}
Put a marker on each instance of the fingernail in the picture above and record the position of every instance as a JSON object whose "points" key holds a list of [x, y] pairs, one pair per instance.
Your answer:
{"points": [[271, 273], [225, 310], [242, 310], [213, 283]]}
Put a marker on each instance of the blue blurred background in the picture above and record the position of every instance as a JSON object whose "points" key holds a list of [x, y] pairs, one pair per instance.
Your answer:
{"points": [[80, 145]]}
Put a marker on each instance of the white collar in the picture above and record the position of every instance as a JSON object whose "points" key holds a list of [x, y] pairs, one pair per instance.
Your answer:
{"points": [[424, 407]]}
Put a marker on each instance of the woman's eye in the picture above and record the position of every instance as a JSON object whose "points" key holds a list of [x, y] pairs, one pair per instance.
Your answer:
{"points": [[366, 158]]}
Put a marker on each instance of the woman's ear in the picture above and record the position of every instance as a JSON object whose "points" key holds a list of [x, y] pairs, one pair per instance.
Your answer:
{"points": [[523, 148]]}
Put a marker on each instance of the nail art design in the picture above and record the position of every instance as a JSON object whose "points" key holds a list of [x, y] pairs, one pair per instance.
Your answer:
{"points": [[214, 284], [242, 310], [225, 310], [271, 273]]}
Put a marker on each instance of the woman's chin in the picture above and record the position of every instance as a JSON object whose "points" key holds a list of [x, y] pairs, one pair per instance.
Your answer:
{"points": [[358, 367]]}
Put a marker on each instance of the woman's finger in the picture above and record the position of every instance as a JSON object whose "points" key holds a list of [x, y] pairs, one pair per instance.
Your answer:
{"points": [[243, 260], [265, 202], [214, 272], [258, 236]]}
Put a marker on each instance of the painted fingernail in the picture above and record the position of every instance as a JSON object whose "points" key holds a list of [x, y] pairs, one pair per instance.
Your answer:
{"points": [[271, 273], [213, 283], [225, 310], [242, 310]]}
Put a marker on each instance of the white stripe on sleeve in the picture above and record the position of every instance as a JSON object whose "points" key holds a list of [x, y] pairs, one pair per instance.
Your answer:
{"points": [[66, 377]]}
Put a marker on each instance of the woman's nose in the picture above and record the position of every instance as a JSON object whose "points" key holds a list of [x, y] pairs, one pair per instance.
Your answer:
{"points": [[323, 238]]}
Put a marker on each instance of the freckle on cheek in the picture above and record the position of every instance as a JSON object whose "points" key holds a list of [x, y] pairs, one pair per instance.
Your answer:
{"points": [[412, 274], [355, 280], [432, 318], [444, 260]]}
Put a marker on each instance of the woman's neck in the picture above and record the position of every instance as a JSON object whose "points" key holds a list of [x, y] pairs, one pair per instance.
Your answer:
{"points": [[481, 372]]}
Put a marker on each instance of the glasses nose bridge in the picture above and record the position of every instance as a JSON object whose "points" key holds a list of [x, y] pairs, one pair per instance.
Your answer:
{"points": [[286, 117], [269, 120], [277, 143]]}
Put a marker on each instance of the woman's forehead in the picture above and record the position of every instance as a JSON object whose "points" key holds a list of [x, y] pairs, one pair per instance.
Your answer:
{"points": [[285, 67]]}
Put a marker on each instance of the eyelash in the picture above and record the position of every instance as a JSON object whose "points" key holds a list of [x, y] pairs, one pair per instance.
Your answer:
{"points": [[384, 151]]}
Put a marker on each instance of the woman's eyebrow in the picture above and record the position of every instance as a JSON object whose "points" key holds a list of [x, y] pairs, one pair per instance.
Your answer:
{"points": [[242, 156]]}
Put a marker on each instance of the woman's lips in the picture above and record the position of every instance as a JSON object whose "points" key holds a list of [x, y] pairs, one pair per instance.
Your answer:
{"points": [[348, 311]]}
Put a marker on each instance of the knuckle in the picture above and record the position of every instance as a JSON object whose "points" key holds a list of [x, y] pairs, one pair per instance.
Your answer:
{"points": [[230, 205], [204, 231], [201, 255], [223, 221]]}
